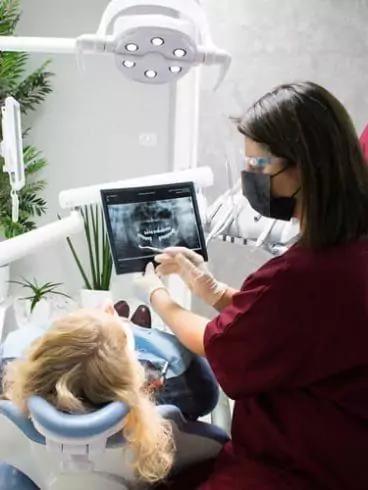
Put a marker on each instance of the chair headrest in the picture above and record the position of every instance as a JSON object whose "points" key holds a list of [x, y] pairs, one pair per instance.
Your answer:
{"points": [[70, 426], [84, 426], [12, 412]]}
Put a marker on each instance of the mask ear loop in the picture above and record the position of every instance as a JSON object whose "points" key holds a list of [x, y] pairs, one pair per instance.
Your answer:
{"points": [[297, 191], [280, 172]]}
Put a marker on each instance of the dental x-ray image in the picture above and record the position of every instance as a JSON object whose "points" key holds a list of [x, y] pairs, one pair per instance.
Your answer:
{"points": [[141, 222]]}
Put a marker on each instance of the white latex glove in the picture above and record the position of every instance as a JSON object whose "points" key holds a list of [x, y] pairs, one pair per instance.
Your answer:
{"points": [[147, 284], [191, 267]]}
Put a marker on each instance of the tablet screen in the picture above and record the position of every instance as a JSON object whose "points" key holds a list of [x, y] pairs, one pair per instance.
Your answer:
{"points": [[143, 221]]}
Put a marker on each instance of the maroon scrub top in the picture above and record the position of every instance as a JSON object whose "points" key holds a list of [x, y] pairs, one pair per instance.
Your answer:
{"points": [[292, 351]]}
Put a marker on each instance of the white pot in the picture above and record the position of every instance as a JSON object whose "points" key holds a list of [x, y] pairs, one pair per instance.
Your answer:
{"points": [[4, 284], [91, 298]]}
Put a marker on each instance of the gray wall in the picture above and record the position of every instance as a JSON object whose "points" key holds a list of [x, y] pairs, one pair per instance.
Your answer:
{"points": [[276, 41], [89, 128]]}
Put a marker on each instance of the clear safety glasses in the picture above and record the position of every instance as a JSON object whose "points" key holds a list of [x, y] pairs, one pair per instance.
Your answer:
{"points": [[256, 164]]}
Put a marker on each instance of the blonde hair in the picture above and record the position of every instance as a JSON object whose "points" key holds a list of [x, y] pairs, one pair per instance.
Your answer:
{"points": [[83, 361]]}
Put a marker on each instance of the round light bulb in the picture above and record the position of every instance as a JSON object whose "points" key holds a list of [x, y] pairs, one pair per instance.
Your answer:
{"points": [[157, 41], [131, 47], [150, 74], [180, 53], [175, 69], [129, 64]]}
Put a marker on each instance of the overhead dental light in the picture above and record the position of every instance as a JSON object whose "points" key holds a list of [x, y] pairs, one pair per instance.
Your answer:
{"points": [[153, 41], [11, 149]]}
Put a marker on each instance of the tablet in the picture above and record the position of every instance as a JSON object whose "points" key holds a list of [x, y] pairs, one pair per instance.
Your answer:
{"points": [[142, 221]]}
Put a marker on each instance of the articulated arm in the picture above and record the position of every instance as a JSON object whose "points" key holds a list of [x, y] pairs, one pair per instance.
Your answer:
{"points": [[22, 245]]}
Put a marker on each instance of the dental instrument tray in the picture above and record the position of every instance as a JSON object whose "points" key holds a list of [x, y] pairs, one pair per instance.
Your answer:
{"points": [[142, 221]]}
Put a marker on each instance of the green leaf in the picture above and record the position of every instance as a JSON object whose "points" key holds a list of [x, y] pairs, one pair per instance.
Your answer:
{"points": [[35, 300], [12, 68], [30, 90], [87, 229], [99, 253], [9, 16], [61, 294], [34, 89], [19, 283], [33, 160], [96, 242], [39, 290], [78, 262]]}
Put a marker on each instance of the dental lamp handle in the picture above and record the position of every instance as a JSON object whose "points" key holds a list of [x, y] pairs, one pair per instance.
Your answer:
{"points": [[15, 205], [215, 56]]}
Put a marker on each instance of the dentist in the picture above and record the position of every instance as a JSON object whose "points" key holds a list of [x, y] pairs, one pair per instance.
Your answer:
{"points": [[291, 347]]}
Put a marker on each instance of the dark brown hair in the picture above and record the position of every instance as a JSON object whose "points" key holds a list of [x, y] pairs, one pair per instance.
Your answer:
{"points": [[308, 126]]}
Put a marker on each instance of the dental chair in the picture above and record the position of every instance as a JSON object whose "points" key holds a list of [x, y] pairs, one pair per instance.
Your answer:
{"points": [[53, 450]]}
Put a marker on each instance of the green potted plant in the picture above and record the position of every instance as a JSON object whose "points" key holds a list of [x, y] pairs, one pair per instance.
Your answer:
{"points": [[36, 308], [97, 277], [30, 90]]}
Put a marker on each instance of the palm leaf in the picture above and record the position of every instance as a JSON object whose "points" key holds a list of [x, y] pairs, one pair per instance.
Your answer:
{"points": [[35, 187], [33, 160], [34, 89], [9, 16], [29, 90], [12, 67]]}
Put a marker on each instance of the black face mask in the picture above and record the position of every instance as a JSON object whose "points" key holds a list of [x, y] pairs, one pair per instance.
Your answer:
{"points": [[257, 189]]}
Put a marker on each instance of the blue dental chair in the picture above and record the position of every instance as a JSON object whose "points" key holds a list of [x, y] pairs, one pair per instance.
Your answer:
{"points": [[57, 451]]}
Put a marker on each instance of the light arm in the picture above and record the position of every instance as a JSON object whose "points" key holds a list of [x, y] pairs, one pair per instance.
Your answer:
{"points": [[38, 44], [22, 245]]}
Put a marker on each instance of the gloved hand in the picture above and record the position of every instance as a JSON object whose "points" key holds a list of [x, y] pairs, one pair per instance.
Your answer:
{"points": [[147, 284], [191, 267]]}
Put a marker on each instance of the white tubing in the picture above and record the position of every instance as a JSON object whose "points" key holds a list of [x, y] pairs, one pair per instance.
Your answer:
{"points": [[22, 245], [202, 176], [38, 44]]}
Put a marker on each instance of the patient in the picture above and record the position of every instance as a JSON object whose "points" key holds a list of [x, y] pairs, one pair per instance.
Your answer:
{"points": [[86, 359]]}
